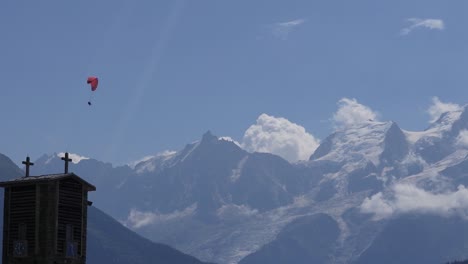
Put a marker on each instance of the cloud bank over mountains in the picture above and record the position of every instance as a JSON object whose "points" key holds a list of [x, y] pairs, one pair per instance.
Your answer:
{"points": [[350, 113], [462, 138], [438, 108], [74, 157], [407, 198], [279, 136], [139, 219], [291, 141]]}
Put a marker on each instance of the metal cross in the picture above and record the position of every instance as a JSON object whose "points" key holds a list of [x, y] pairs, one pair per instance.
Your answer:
{"points": [[28, 163], [66, 159]]}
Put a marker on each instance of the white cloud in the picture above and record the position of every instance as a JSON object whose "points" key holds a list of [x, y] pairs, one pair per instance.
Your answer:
{"points": [[462, 139], [350, 113], [74, 157], [138, 219], [406, 198], [281, 137], [283, 29], [438, 108], [415, 23]]}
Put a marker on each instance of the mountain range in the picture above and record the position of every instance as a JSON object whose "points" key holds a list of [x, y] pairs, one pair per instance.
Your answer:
{"points": [[370, 193]]}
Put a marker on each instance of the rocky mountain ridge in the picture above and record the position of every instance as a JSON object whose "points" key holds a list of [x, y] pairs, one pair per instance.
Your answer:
{"points": [[221, 203]]}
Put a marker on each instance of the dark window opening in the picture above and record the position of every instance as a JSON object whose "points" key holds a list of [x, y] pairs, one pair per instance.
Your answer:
{"points": [[20, 246], [72, 246]]}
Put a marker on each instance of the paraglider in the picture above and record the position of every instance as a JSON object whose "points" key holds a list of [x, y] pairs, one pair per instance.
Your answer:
{"points": [[93, 82]]}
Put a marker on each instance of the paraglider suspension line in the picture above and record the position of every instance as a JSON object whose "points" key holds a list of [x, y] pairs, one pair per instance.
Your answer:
{"points": [[90, 97]]}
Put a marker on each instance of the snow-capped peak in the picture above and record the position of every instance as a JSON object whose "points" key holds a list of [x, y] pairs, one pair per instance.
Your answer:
{"points": [[151, 163], [207, 137], [437, 129], [144, 159], [229, 139], [365, 141]]}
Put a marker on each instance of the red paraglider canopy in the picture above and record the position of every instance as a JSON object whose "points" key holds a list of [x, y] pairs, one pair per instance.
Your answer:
{"points": [[94, 82]]}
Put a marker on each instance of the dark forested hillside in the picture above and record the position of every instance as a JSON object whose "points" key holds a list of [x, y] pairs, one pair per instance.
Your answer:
{"points": [[111, 243]]}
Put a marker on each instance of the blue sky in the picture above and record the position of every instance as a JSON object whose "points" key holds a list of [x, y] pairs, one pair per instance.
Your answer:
{"points": [[171, 70]]}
